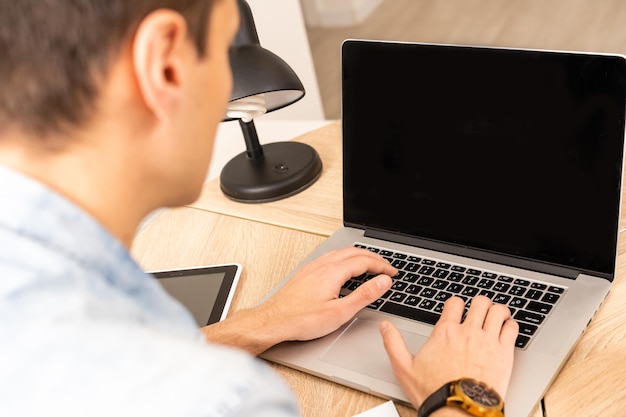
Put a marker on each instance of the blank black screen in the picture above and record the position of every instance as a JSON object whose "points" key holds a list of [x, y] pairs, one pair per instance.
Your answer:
{"points": [[508, 151]]}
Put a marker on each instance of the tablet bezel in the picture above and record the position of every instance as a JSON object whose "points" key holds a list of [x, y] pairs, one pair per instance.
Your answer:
{"points": [[231, 274]]}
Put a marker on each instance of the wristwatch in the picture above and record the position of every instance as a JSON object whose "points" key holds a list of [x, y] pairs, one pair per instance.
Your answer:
{"points": [[476, 398]]}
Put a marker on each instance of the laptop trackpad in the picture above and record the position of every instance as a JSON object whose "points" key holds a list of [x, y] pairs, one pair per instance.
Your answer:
{"points": [[360, 348]]}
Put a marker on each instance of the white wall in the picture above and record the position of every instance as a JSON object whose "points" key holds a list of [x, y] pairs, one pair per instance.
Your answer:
{"points": [[329, 13], [281, 29]]}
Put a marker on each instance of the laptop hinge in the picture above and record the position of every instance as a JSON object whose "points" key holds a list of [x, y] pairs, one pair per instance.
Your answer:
{"points": [[476, 254]]}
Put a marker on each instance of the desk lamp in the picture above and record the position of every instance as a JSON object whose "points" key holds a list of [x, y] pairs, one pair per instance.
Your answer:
{"points": [[263, 82]]}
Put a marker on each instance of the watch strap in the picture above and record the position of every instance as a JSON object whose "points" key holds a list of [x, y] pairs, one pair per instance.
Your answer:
{"points": [[435, 401]]}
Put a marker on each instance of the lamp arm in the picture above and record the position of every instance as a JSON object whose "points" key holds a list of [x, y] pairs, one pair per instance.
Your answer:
{"points": [[254, 150]]}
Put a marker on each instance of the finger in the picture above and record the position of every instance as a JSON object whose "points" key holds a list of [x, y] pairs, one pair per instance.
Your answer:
{"points": [[508, 334], [368, 292], [342, 254], [497, 315], [396, 348], [453, 310], [360, 263], [478, 311]]}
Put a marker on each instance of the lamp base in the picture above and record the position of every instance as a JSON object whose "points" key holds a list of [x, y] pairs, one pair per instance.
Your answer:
{"points": [[285, 169]]}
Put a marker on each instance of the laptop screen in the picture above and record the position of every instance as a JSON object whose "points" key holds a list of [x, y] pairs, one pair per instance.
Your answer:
{"points": [[513, 152]]}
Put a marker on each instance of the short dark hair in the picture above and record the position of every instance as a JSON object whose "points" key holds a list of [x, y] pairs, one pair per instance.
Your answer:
{"points": [[54, 53]]}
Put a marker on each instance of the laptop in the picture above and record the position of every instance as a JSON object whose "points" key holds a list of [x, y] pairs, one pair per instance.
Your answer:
{"points": [[475, 170]]}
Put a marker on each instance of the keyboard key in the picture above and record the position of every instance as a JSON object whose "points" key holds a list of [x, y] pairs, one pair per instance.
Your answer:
{"points": [[413, 259], [399, 255], [428, 292], [490, 275], [441, 273], [485, 283], [428, 262], [501, 287], [411, 277], [425, 280], [427, 304], [410, 313], [399, 286], [473, 272], [412, 267], [538, 286], [529, 317], [539, 307], [518, 302], [354, 285], [386, 252], [413, 289], [443, 265], [487, 293], [397, 297], [521, 341], [376, 304], [455, 288], [458, 268], [470, 280], [527, 329], [534, 294], [440, 284], [550, 298], [426, 270], [412, 300], [522, 282], [556, 290], [470, 291], [456, 277], [517, 290], [504, 278], [501, 298], [398, 263], [442, 296]]}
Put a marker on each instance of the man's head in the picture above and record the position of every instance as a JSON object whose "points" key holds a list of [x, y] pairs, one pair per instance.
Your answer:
{"points": [[114, 103], [54, 53]]}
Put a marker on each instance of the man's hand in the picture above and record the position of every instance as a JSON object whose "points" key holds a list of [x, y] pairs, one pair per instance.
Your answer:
{"points": [[481, 348], [307, 306]]}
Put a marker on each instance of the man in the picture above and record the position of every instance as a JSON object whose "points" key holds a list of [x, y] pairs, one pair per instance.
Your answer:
{"points": [[107, 112]]}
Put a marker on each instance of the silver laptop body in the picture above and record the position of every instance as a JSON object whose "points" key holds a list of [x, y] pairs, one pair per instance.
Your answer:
{"points": [[502, 162]]}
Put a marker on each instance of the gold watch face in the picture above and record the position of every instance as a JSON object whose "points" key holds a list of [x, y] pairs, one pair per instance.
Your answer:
{"points": [[480, 393]]}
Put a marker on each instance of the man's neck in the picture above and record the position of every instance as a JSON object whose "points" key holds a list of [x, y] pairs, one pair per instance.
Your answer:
{"points": [[92, 177]]}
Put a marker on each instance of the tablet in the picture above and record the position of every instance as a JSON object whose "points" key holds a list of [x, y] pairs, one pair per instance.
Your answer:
{"points": [[206, 291]]}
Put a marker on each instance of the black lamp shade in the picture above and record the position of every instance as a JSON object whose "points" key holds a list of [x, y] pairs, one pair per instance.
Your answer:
{"points": [[259, 71]]}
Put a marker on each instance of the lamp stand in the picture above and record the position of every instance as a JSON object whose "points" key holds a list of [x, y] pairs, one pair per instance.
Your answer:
{"points": [[269, 172]]}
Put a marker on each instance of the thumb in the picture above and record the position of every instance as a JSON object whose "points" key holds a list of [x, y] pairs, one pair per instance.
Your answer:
{"points": [[399, 355], [369, 292]]}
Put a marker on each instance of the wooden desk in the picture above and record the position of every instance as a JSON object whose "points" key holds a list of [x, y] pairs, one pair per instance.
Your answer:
{"points": [[217, 230]]}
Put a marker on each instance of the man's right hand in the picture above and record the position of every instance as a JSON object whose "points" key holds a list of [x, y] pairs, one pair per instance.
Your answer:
{"points": [[480, 347]]}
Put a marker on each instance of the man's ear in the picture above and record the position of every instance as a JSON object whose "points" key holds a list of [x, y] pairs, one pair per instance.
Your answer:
{"points": [[158, 60]]}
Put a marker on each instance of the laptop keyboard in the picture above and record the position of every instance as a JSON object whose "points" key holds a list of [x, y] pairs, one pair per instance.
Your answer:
{"points": [[423, 285]]}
